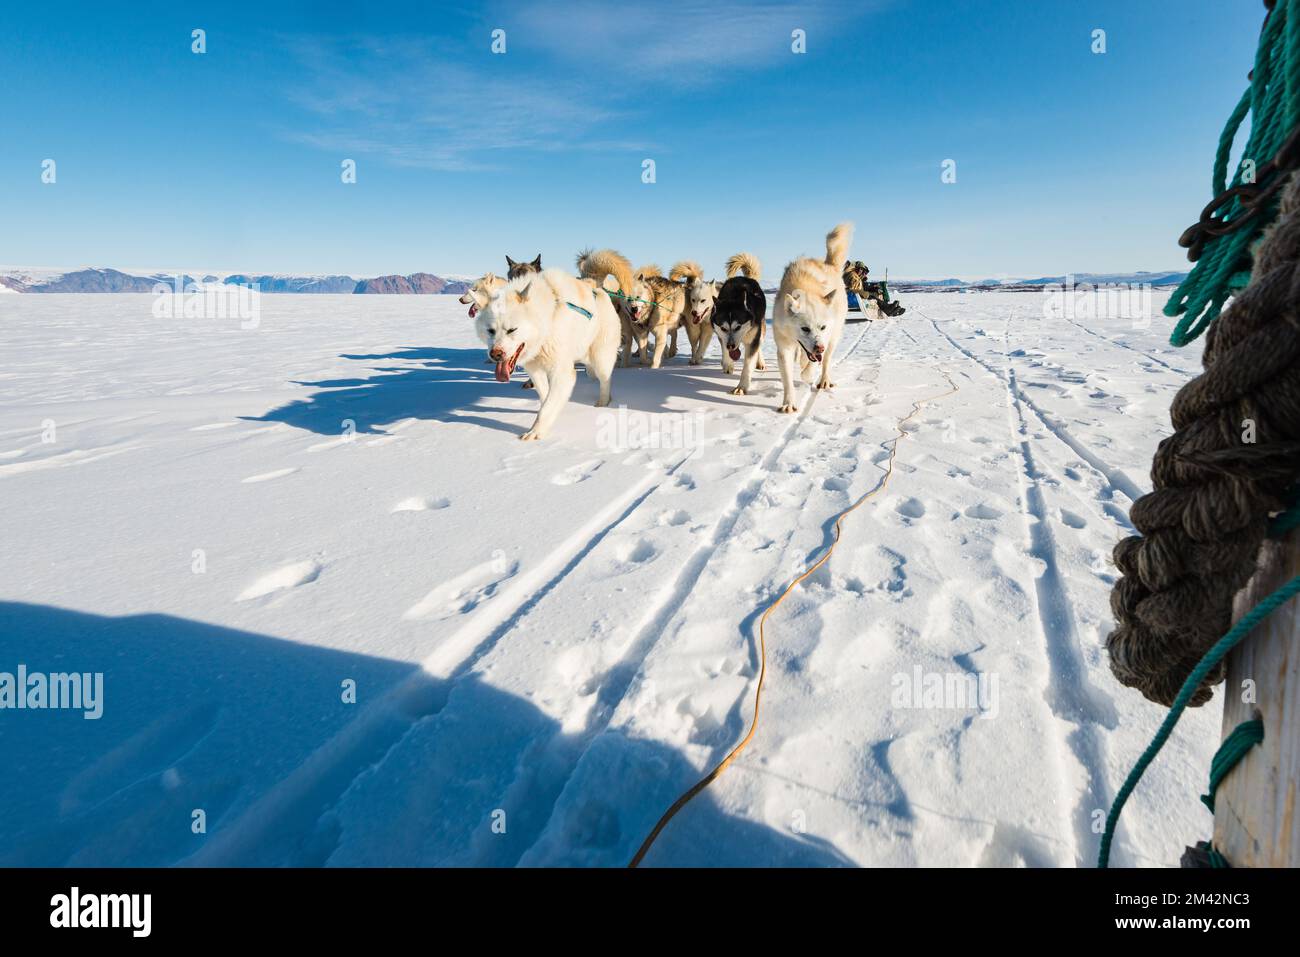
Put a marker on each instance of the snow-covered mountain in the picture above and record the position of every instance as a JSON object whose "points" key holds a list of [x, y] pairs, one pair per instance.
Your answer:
{"points": [[97, 279]]}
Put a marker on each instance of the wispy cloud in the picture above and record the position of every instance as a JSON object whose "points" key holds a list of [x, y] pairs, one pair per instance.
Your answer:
{"points": [[576, 78], [416, 105], [681, 41]]}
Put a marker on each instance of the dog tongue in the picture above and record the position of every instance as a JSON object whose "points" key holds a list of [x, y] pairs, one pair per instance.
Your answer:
{"points": [[734, 353], [473, 311], [503, 370]]}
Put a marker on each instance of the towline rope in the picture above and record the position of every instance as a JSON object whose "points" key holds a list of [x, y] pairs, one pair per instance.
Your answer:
{"points": [[713, 775]]}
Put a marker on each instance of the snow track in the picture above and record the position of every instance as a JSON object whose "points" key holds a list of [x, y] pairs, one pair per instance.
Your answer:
{"points": [[546, 644]]}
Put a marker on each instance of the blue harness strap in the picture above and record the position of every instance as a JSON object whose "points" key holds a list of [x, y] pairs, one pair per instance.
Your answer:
{"points": [[576, 308]]}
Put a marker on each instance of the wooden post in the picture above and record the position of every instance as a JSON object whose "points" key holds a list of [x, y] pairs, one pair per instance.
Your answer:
{"points": [[1256, 822]]}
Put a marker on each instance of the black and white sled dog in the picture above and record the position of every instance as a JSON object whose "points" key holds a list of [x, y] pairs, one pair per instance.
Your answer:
{"points": [[548, 321], [808, 318], [740, 318]]}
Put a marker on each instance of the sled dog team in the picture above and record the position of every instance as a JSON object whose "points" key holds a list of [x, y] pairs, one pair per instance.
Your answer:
{"points": [[547, 320]]}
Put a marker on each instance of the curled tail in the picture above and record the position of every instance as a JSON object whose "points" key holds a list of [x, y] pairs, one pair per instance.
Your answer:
{"points": [[746, 263], [606, 262], [837, 245], [648, 270], [687, 269]]}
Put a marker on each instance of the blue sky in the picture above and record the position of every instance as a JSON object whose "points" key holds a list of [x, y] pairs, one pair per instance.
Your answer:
{"points": [[230, 160]]}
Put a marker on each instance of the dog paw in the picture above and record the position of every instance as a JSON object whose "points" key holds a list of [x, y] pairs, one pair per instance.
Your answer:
{"points": [[825, 385], [532, 435], [762, 366], [788, 408], [600, 404], [737, 391]]}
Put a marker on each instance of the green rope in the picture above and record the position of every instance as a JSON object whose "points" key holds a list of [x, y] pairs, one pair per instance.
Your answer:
{"points": [[1224, 268], [619, 295], [1282, 523], [1234, 747], [1211, 659], [1273, 101]]}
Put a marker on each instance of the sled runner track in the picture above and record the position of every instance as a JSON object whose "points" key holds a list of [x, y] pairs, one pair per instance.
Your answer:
{"points": [[1114, 477], [316, 785], [826, 552], [470, 643], [1069, 694], [672, 598], [1125, 345]]}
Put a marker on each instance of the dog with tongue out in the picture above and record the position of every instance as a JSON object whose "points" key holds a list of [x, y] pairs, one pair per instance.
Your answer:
{"points": [[740, 318], [549, 321]]}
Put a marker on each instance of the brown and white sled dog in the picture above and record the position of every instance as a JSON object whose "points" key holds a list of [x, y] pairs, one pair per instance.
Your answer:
{"points": [[549, 321], [669, 298], [653, 308], [478, 294], [700, 296], [809, 315]]}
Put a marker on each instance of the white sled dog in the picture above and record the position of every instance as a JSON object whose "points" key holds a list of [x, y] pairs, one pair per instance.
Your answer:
{"points": [[809, 315], [700, 296], [549, 321]]}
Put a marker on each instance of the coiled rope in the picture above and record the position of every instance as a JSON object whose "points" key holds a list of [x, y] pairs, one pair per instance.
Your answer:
{"points": [[713, 775], [1226, 478], [1228, 468]]}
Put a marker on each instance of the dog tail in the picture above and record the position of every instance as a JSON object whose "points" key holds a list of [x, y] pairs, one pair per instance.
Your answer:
{"points": [[606, 262], [648, 270], [687, 269], [746, 263], [837, 245]]}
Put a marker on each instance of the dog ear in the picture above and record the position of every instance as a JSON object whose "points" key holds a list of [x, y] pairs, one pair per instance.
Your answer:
{"points": [[794, 300], [537, 263], [510, 264], [522, 294], [829, 297]]}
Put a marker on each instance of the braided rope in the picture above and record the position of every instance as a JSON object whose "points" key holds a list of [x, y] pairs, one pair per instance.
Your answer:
{"points": [[1214, 489]]}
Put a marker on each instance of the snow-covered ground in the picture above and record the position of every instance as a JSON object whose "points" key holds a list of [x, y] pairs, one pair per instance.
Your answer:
{"points": [[549, 642]]}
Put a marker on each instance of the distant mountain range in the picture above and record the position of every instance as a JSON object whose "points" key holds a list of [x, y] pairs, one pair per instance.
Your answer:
{"points": [[425, 284], [1158, 279], [114, 280]]}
